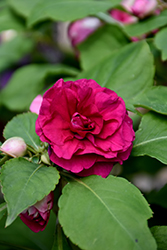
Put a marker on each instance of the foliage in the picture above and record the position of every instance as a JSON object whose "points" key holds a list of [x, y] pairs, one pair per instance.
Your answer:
{"points": [[90, 213]]}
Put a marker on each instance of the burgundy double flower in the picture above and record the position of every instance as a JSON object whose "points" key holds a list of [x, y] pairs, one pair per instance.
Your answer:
{"points": [[86, 126]]}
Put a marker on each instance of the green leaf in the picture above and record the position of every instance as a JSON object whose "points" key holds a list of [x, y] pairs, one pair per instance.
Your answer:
{"points": [[19, 237], [27, 82], [23, 7], [23, 125], [2, 209], [128, 71], [101, 44], [147, 25], [13, 50], [110, 213], [160, 235], [9, 21], [160, 42], [24, 183], [151, 138], [153, 99], [67, 10]]}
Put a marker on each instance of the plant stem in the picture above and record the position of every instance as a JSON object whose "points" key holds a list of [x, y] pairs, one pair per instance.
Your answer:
{"points": [[3, 160]]}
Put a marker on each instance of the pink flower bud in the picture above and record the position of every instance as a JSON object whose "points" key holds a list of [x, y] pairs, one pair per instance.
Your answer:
{"points": [[122, 16], [140, 8], [14, 146], [36, 217], [79, 30], [36, 104]]}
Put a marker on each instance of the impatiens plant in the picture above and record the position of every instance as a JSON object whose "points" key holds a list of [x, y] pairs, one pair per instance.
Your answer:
{"points": [[83, 125]]}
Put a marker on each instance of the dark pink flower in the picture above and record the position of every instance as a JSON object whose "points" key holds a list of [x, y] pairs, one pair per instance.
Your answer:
{"points": [[36, 217], [79, 30], [122, 16], [86, 126]]}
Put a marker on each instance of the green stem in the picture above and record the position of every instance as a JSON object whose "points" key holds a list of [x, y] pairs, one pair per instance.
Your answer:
{"points": [[31, 149], [67, 175], [3, 160]]}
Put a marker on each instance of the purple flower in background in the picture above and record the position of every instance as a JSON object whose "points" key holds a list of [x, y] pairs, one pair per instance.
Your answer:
{"points": [[5, 77]]}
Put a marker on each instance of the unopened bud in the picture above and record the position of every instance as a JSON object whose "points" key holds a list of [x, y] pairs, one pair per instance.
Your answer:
{"points": [[140, 8], [14, 146], [45, 158]]}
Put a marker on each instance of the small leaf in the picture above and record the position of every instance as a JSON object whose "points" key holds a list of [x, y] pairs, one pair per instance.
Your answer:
{"points": [[128, 71], [27, 82], [9, 21], [101, 44], [2, 210], [67, 10], [13, 50], [23, 125], [151, 138], [146, 26], [23, 7], [24, 183], [154, 99], [160, 41], [110, 213], [160, 235]]}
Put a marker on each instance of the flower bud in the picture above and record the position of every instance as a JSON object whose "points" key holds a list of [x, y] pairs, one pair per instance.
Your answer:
{"points": [[140, 8], [45, 158], [122, 16], [36, 104], [36, 217], [14, 146], [79, 30]]}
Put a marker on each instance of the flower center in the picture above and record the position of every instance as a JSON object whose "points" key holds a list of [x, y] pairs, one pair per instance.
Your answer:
{"points": [[80, 122]]}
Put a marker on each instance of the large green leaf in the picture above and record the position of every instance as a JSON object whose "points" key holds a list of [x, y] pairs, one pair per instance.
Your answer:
{"points": [[9, 21], [19, 237], [68, 10], [27, 82], [23, 7], [151, 138], [15, 49], [101, 44], [110, 213], [160, 42], [128, 71], [153, 99], [23, 125], [160, 235], [147, 25], [24, 183]]}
